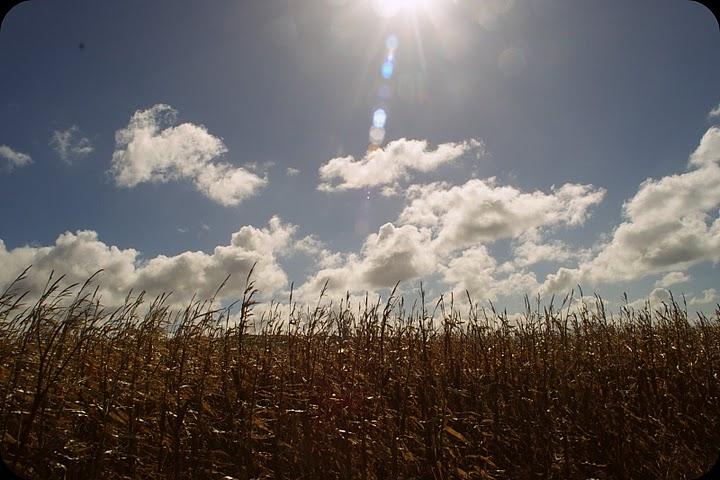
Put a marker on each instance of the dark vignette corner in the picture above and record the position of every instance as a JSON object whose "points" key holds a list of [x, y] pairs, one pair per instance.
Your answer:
{"points": [[713, 6], [6, 6], [6, 473]]}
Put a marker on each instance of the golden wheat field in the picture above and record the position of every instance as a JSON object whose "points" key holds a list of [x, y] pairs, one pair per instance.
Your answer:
{"points": [[382, 389]]}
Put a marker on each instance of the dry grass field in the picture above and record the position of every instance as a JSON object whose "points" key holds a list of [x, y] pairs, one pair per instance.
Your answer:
{"points": [[347, 390]]}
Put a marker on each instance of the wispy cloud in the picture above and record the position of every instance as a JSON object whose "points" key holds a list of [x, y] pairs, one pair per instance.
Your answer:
{"points": [[707, 297], [13, 159], [672, 278], [70, 144], [715, 112]]}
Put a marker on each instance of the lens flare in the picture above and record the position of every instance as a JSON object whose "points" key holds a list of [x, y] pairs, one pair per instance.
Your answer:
{"points": [[379, 118], [390, 8], [387, 69], [377, 135], [392, 42]]}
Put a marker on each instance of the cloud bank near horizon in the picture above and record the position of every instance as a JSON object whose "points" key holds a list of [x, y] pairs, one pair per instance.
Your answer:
{"points": [[443, 232]]}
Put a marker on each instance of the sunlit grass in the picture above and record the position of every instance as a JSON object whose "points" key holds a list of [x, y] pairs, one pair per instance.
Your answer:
{"points": [[369, 390]]}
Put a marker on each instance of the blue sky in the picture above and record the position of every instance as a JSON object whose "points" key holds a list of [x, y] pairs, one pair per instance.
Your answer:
{"points": [[175, 124]]}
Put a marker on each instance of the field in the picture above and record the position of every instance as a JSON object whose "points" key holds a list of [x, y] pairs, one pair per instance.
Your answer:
{"points": [[385, 389]]}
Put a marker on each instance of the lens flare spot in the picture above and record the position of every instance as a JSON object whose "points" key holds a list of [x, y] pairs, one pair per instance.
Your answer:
{"points": [[391, 43], [387, 69], [379, 118], [390, 8], [377, 135]]}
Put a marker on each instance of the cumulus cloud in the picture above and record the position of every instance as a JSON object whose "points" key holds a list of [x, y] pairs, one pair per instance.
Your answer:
{"points": [[387, 165], [671, 224], [657, 297], [531, 248], [529, 253], [313, 247], [672, 278], [482, 211], [75, 255], [476, 271], [444, 229], [13, 159], [291, 171], [660, 295], [70, 144], [78, 255], [151, 149], [394, 254]]}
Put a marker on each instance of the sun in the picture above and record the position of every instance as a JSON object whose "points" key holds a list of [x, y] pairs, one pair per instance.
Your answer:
{"points": [[390, 8]]}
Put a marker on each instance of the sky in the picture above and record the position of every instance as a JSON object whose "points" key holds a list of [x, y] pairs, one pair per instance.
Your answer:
{"points": [[503, 147]]}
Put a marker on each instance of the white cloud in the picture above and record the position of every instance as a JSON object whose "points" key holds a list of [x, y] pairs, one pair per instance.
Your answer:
{"points": [[476, 271], [291, 171], [530, 253], [672, 278], [390, 190], [14, 159], [78, 255], [656, 298], [482, 211], [590, 303], [389, 164], [313, 247], [75, 255], [661, 295], [708, 296], [407, 253], [668, 226], [442, 231], [532, 249], [715, 112], [70, 144], [227, 185], [394, 254], [150, 149]]}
